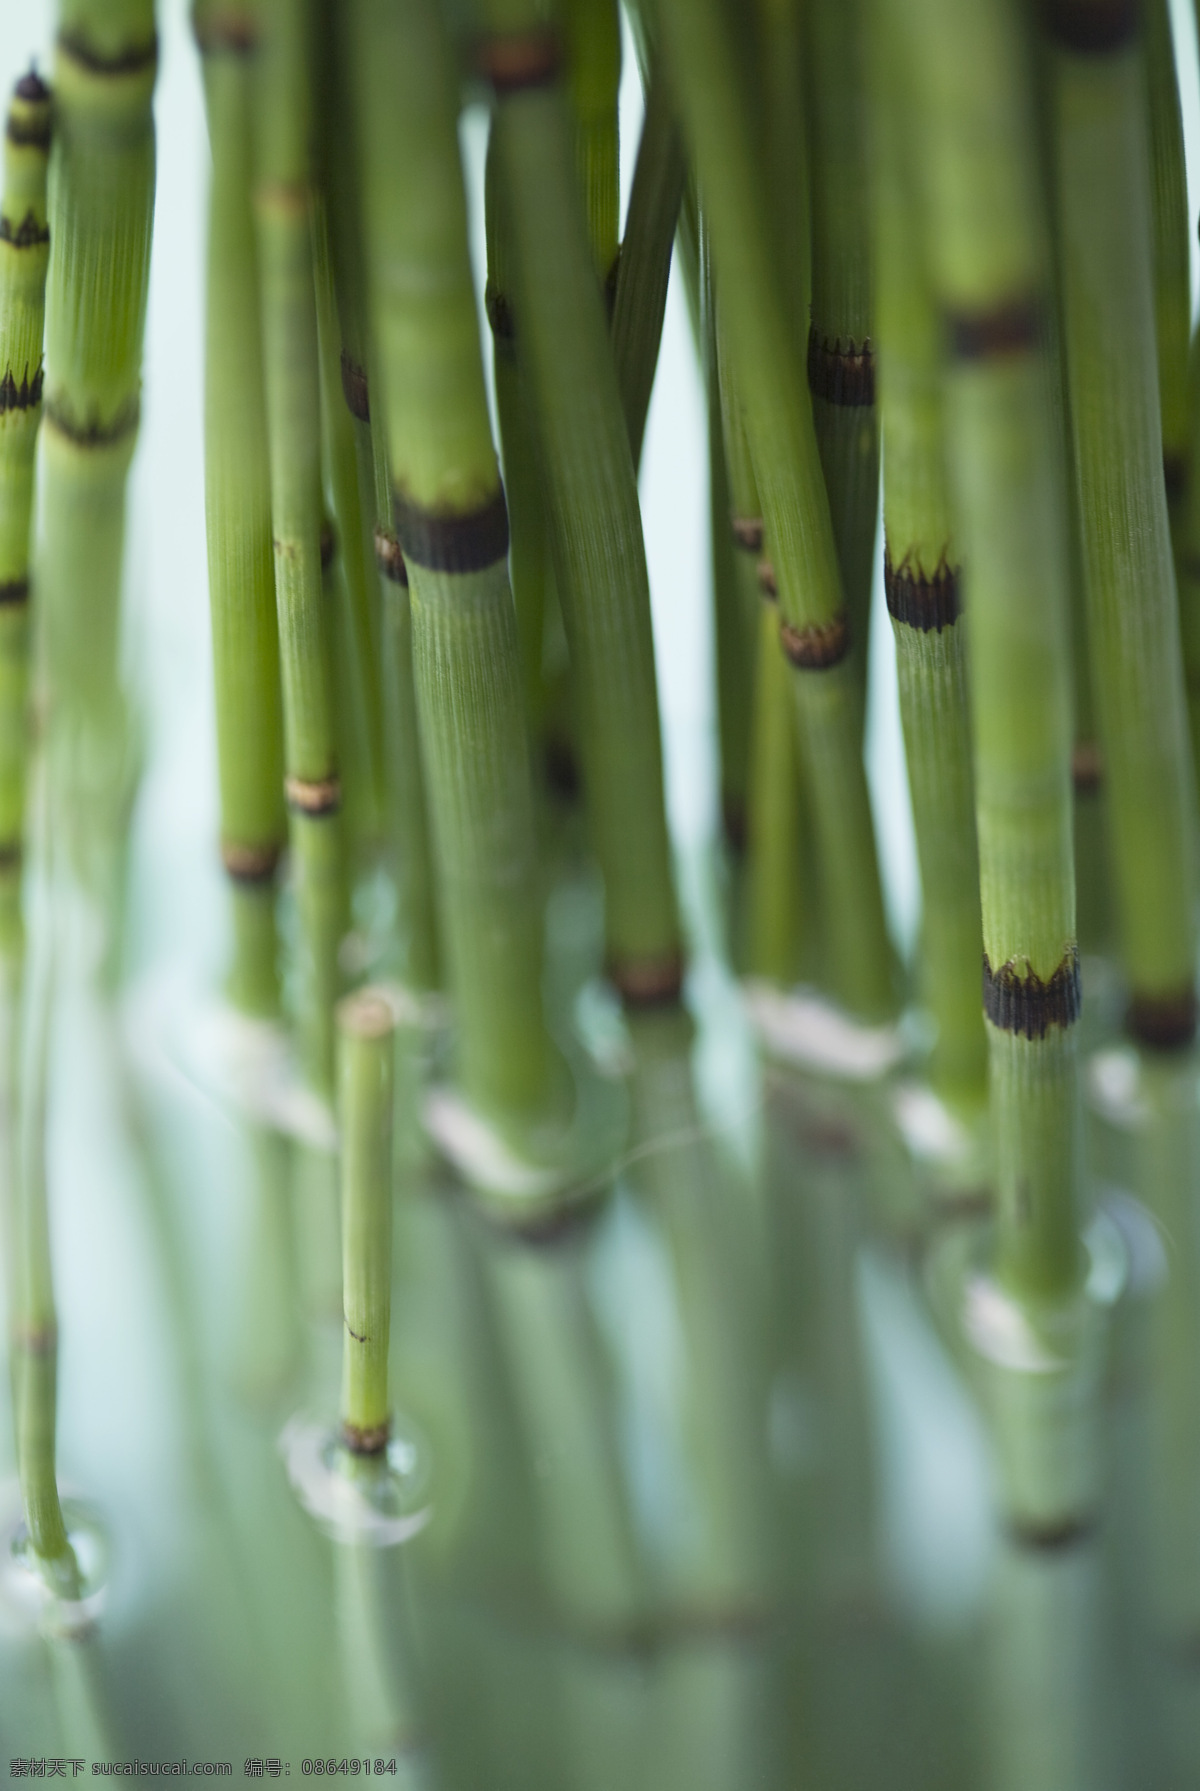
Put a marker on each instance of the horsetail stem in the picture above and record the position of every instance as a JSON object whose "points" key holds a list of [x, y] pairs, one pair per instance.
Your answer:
{"points": [[592, 47], [591, 493], [452, 526], [989, 280], [366, 1048], [841, 356], [644, 269], [237, 493], [1172, 272], [921, 581], [101, 207], [704, 65], [733, 636], [24, 251], [289, 327], [1132, 620]]}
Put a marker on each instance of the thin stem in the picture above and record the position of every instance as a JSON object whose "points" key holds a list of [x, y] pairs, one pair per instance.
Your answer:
{"points": [[709, 80], [1172, 272], [366, 1049], [592, 46], [289, 327]]}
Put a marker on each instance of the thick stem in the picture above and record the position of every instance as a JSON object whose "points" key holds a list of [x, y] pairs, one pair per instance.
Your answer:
{"points": [[1132, 618], [237, 491]]}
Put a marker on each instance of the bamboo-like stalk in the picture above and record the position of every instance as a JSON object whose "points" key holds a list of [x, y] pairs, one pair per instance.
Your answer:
{"points": [[405, 822], [705, 63], [289, 329], [921, 580], [24, 251], [1172, 272], [640, 302], [591, 31], [101, 206], [366, 1047], [451, 524], [591, 494], [841, 355], [237, 495], [1132, 620]]}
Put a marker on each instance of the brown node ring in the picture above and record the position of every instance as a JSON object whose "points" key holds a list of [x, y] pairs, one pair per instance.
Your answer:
{"points": [[27, 395], [458, 542], [648, 982], [354, 389], [136, 60], [747, 533], [89, 435], [249, 864], [515, 60], [819, 646], [316, 799], [1026, 1005], [1051, 1537], [14, 591], [29, 234], [1091, 27], [389, 558], [229, 33], [841, 373], [370, 1441], [1087, 767], [1013, 327], [1163, 1022], [919, 599], [11, 853]]}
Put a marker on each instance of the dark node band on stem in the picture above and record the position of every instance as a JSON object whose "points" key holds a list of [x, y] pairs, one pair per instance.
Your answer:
{"points": [[1087, 767], [840, 372], [36, 1340], [1053, 1537], [11, 853], [1163, 1022], [768, 584], [230, 33], [94, 434], [500, 317], [461, 541], [1014, 327], [1028, 1006], [648, 982], [819, 646], [32, 89], [26, 396], [747, 533], [314, 799], [28, 234], [328, 545], [134, 59], [1091, 27], [29, 130], [515, 60], [1175, 476], [354, 389], [389, 558], [14, 591], [249, 864], [920, 599], [366, 1442]]}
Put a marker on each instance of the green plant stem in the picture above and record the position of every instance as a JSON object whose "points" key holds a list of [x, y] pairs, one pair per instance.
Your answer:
{"points": [[990, 283], [645, 265], [366, 1048], [1172, 273], [922, 579], [841, 356], [451, 524], [596, 533], [592, 47], [733, 637], [704, 62], [1132, 619], [237, 491], [289, 329], [775, 889], [101, 207], [24, 251]]}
